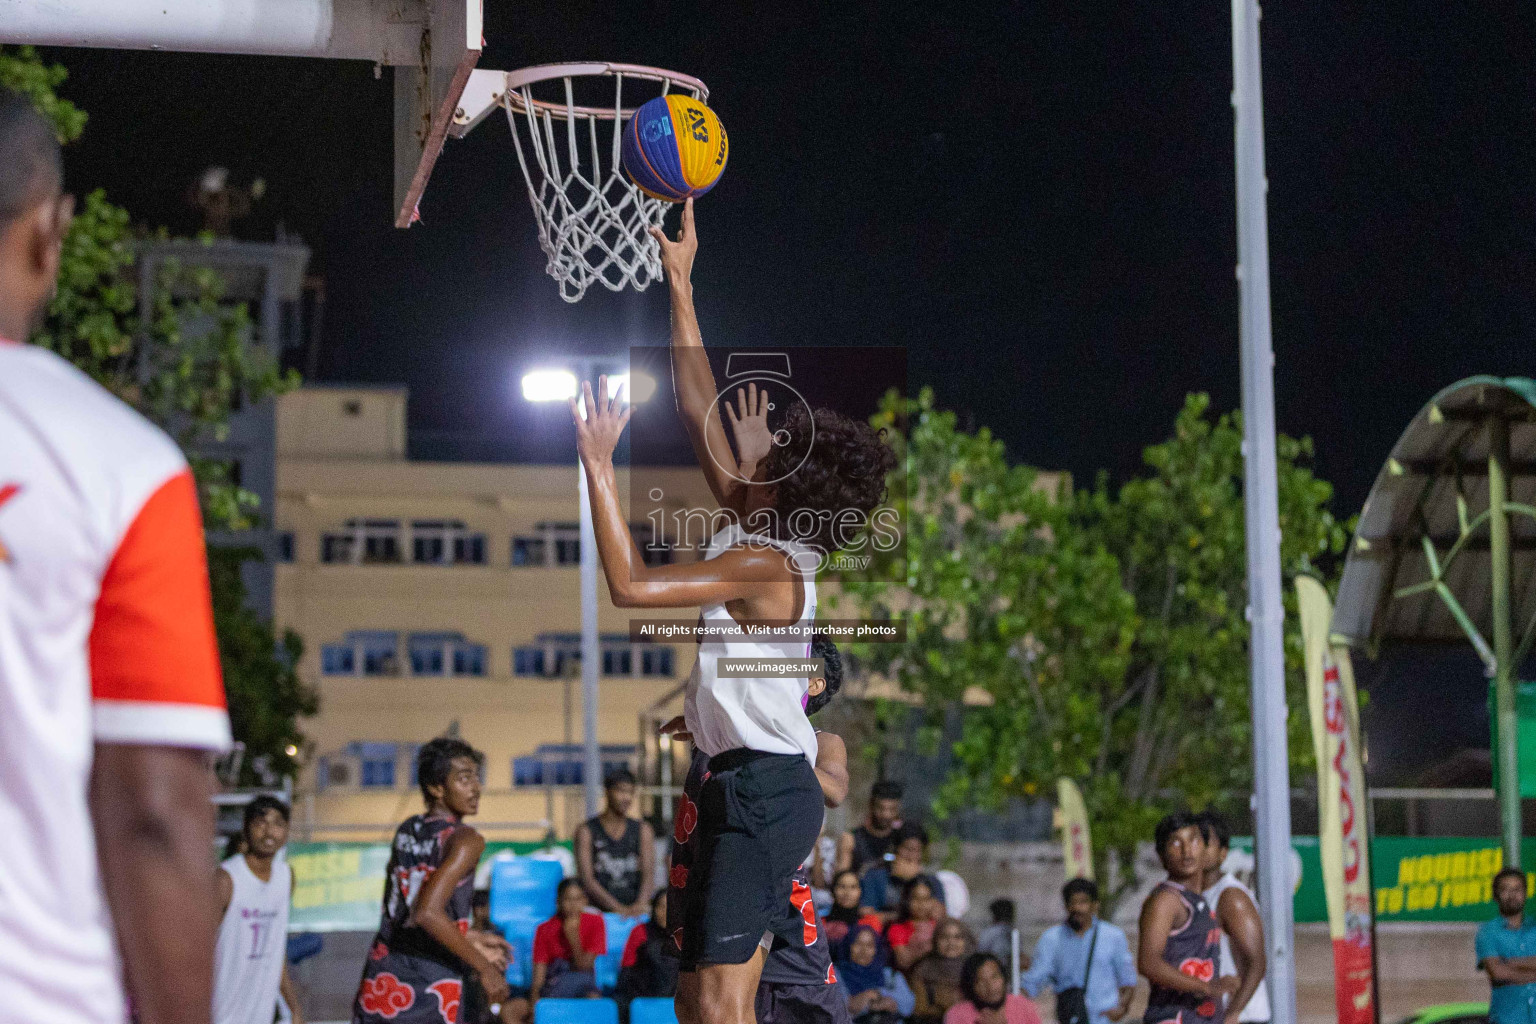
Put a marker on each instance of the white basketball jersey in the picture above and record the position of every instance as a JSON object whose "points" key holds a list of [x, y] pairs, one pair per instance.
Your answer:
{"points": [[106, 636], [253, 940], [766, 713], [1258, 1007]]}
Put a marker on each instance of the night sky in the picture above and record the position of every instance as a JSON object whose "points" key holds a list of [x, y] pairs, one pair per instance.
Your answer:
{"points": [[1035, 200]]}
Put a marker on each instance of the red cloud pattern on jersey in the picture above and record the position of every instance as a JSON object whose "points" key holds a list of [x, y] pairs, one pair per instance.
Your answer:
{"points": [[448, 993], [800, 899], [386, 996], [687, 820]]}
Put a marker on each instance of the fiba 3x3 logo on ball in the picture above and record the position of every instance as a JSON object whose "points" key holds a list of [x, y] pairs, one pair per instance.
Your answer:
{"points": [[674, 148]]}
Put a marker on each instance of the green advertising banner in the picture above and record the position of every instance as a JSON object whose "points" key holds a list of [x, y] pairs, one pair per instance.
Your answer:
{"points": [[1415, 879], [1435, 879], [338, 887]]}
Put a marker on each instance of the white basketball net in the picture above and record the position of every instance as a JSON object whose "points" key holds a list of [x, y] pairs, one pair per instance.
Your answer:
{"points": [[593, 222]]}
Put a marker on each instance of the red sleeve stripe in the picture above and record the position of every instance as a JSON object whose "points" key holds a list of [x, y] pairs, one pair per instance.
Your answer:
{"points": [[161, 725], [152, 641]]}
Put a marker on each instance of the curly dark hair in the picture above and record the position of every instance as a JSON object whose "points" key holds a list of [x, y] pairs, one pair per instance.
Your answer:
{"points": [[822, 647], [844, 470]]}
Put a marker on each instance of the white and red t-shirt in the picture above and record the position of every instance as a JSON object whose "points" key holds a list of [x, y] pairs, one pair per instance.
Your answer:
{"points": [[106, 635]]}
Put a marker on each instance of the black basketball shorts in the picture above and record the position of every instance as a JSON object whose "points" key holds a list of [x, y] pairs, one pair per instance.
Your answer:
{"points": [[802, 1004], [758, 817]]}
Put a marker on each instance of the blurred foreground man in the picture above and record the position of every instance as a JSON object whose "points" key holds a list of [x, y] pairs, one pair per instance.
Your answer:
{"points": [[110, 695]]}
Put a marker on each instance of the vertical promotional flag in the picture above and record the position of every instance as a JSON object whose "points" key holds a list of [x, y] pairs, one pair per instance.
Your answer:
{"points": [[1076, 846], [1342, 840]]}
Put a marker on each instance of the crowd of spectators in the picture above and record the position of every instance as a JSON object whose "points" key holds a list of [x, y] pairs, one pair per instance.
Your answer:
{"points": [[900, 951]]}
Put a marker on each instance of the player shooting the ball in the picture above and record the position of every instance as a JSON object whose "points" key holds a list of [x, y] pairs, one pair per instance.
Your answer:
{"points": [[760, 810]]}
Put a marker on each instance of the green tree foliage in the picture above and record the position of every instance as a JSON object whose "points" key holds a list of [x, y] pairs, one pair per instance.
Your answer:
{"points": [[261, 680], [185, 362], [1103, 629]]}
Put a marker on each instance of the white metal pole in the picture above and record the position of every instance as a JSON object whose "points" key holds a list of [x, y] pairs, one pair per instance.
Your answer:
{"points": [[1013, 959], [1266, 614], [592, 761]]}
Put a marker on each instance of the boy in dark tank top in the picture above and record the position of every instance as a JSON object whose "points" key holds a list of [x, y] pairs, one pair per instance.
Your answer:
{"points": [[1179, 941], [615, 853]]}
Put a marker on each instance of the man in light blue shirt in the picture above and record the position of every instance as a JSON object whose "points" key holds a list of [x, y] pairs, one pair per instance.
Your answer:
{"points": [[1061, 957], [1506, 949]]}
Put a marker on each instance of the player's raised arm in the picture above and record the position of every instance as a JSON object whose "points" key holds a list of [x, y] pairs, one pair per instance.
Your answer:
{"points": [[692, 380], [749, 573]]}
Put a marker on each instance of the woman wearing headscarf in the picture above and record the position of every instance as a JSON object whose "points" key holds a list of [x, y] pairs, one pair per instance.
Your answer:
{"points": [[877, 994], [936, 977], [845, 912], [985, 996]]}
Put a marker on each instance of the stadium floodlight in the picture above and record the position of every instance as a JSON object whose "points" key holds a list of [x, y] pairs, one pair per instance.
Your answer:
{"points": [[549, 385], [557, 385], [561, 385]]}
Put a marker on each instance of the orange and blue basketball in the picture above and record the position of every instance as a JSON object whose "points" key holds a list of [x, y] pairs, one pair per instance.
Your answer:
{"points": [[674, 148]]}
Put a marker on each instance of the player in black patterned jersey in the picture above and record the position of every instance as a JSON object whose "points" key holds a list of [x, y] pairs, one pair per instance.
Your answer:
{"points": [[798, 982], [1180, 939], [422, 956]]}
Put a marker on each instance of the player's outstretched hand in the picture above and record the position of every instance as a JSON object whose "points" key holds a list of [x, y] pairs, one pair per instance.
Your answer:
{"points": [[749, 423], [677, 257], [597, 435]]}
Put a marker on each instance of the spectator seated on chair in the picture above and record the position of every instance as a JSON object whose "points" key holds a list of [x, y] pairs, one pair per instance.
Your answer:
{"points": [[985, 998], [845, 912], [566, 947], [936, 978], [877, 994], [884, 884], [910, 936], [648, 969]]}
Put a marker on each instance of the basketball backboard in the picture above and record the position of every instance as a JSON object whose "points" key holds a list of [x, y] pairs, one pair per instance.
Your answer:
{"points": [[432, 45], [427, 95]]}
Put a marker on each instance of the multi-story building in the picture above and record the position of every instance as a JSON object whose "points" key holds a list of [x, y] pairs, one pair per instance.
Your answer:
{"points": [[436, 597], [269, 278]]}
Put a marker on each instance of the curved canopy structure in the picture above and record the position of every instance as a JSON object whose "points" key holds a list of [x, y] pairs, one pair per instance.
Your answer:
{"points": [[1427, 518], [1446, 547]]}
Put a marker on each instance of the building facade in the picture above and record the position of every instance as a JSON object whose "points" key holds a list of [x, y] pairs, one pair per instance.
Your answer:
{"points": [[439, 598], [269, 278]]}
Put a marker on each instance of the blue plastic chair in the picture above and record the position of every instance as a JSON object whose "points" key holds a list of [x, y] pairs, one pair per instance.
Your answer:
{"points": [[575, 1011], [523, 896], [606, 967], [523, 889], [652, 1011], [520, 971]]}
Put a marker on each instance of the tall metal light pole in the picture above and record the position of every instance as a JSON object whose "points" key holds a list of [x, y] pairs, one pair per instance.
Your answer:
{"points": [[559, 386], [1266, 614]]}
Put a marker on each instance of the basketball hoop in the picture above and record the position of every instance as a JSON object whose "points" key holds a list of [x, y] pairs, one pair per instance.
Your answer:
{"points": [[593, 223]]}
